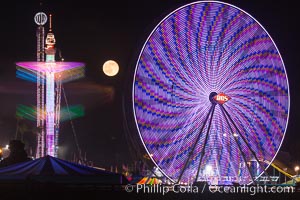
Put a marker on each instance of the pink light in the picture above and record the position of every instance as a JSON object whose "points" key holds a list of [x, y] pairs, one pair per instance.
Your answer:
{"points": [[50, 66], [51, 69]]}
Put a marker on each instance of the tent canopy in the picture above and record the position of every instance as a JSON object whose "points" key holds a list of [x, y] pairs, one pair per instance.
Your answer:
{"points": [[53, 169]]}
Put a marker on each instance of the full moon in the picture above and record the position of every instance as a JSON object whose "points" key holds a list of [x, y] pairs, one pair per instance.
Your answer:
{"points": [[110, 68]]}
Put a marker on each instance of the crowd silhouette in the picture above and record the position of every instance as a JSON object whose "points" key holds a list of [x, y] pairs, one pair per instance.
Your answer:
{"points": [[17, 154]]}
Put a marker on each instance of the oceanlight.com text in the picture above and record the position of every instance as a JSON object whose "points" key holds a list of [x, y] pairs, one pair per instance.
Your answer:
{"points": [[177, 188]]}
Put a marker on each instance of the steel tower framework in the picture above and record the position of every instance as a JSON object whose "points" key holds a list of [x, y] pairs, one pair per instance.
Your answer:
{"points": [[49, 75]]}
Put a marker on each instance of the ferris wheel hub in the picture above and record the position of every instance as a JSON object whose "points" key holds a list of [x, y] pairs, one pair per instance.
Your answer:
{"points": [[211, 97]]}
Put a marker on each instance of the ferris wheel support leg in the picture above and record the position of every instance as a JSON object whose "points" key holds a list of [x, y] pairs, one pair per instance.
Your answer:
{"points": [[256, 158], [260, 165], [236, 141], [194, 146], [205, 141]]}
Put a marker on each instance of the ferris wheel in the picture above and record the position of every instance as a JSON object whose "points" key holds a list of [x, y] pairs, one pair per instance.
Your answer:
{"points": [[210, 95]]}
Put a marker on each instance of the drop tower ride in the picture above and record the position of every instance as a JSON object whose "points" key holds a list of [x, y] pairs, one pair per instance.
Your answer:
{"points": [[49, 77]]}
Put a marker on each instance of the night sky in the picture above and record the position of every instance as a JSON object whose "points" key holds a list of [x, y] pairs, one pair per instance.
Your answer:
{"points": [[90, 33]]}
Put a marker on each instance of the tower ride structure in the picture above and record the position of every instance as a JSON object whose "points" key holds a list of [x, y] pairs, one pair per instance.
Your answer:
{"points": [[49, 75]]}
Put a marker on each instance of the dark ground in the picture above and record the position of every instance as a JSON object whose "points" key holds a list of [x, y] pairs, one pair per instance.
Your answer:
{"points": [[32, 191]]}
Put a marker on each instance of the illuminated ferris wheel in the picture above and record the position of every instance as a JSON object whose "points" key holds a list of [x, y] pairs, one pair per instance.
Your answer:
{"points": [[210, 95]]}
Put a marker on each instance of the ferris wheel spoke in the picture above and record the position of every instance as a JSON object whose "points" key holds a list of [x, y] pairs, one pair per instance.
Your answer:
{"points": [[221, 39], [253, 60]]}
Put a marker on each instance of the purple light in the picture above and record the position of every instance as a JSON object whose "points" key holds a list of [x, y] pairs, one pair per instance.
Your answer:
{"points": [[64, 76], [50, 113], [50, 66], [198, 49], [50, 69]]}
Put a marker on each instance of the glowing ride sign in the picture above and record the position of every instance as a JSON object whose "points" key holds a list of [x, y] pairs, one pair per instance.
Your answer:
{"points": [[221, 98], [40, 18]]}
